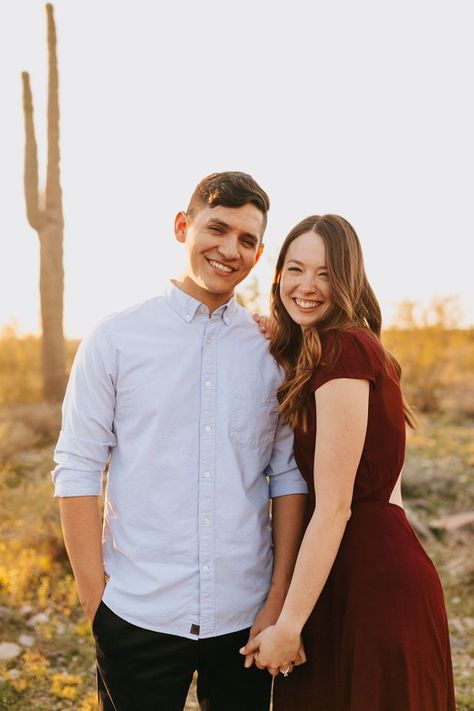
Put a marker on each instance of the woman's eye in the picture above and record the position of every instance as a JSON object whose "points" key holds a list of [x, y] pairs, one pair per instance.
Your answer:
{"points": [[294, 269]]}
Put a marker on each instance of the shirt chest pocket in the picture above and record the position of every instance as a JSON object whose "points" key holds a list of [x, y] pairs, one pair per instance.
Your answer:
{"points": [[254, 418]]}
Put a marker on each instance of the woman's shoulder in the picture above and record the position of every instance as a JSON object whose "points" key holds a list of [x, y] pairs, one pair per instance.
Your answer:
{"points": [[348, 353], [346, 340]]}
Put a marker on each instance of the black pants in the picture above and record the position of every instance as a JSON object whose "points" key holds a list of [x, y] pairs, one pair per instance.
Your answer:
{"points": [[140, 670]]}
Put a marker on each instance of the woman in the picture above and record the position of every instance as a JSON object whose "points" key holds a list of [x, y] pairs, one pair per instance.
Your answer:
{"points": [[369, 598]]}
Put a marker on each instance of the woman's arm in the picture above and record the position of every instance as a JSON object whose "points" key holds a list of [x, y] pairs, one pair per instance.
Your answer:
{"points": [[341, 412]]}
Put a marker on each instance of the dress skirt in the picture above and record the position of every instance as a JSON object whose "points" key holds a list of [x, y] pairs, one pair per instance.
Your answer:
{"points": [[377, 639]]}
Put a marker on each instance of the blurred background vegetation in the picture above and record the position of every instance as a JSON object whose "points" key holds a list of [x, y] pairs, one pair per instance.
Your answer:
{"points": [[46, 650]]}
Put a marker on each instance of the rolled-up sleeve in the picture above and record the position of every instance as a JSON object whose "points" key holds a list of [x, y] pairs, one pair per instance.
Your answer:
{"points": [[284, 476], [87, 435]]}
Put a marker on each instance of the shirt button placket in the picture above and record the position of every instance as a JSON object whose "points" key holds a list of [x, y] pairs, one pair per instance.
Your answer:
{"points": [[206, 479]]}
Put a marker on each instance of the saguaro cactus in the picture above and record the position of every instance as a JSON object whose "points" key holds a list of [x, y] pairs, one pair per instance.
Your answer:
{"points": [[46, 217]]}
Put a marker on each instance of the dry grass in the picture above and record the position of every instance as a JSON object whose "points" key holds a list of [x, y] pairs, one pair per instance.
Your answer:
{"points": [[438, 368], [23, 426]]}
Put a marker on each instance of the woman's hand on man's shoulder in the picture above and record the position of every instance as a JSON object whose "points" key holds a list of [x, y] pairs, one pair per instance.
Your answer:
{"points": [[265, 324]]}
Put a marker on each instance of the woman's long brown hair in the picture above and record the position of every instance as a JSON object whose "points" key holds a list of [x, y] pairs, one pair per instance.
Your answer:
{"points": [[353, 303]]}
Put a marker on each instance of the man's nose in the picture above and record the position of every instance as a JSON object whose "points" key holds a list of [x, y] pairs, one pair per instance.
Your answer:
{"points": [[229, 248]]}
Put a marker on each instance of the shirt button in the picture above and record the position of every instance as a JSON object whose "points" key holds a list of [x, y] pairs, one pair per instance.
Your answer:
{"points": [[207, 475], [205, 568], [207, 428], [208, 383], [208, 339], [202, 309], [206, 520]]}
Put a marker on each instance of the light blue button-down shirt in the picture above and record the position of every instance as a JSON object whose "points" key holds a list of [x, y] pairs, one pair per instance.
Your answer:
{"points": [[184, 406]]}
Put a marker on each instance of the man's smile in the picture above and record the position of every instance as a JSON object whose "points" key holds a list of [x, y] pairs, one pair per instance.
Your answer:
{"points": [[220, 267]]}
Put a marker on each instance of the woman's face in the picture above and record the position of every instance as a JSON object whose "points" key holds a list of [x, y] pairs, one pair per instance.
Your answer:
{"points": [[304, 284]]}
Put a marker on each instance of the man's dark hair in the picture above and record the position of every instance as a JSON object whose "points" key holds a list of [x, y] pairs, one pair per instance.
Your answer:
{"points": [[229, 189]]}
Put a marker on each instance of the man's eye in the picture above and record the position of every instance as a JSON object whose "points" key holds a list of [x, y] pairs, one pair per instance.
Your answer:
{"points": [[249, 243], [214, 228]]}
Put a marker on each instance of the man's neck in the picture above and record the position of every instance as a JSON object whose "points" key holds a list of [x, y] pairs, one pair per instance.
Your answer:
{"points": [[212, 301]]}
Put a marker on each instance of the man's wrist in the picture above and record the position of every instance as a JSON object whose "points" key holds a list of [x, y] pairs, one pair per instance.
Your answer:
{"points": [[278, 590], [91, 590]]}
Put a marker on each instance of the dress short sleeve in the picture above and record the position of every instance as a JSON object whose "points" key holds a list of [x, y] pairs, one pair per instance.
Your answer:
{"points": [[347, 354]]}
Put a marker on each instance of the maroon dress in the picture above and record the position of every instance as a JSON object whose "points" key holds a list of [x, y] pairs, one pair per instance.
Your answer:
{"points": [[377, 639]]}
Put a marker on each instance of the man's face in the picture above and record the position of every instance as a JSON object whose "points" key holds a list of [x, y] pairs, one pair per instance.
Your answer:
{"points": [[223, 244]]}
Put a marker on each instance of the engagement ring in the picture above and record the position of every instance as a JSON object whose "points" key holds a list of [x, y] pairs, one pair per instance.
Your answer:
{"points": [[285, 673]]}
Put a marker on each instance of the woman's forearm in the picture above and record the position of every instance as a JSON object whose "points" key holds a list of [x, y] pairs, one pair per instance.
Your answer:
{"points": [[316, 557]]}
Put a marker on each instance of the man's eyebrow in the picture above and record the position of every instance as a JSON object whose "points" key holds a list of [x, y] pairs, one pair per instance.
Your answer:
{"points": [[225, 226], [249, 235], [216, 221]]}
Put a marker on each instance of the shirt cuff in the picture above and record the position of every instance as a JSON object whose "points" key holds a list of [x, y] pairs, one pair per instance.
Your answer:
{"points": [[76, 484], [287, 483]]}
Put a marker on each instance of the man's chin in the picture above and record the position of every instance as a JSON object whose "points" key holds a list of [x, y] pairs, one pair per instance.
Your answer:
{"points": [[214, 288], [220, 285]]}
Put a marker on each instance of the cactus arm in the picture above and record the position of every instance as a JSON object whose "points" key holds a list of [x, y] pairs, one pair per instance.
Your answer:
{"points": [[33, 212]]}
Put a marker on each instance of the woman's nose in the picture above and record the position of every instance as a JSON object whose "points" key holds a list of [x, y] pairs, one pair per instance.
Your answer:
{"points": [[308, 286]]}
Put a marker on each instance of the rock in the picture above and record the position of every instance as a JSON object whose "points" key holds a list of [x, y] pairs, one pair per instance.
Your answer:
{"points": [[38, 619], [452, 522], [457, 624], [14, 673], [421, 529], [5, 612], [468, 622], [9, 650], [26, 640], [26, 610], [60, 628], [457, 643]]}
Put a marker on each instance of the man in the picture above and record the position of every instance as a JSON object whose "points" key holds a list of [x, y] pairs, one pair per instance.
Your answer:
{"points": [[179, 393]]}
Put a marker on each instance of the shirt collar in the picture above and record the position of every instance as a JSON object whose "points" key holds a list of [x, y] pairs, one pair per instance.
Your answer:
{"points": [[188, 307]]}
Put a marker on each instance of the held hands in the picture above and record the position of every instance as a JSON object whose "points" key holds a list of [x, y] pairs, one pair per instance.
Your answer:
{"points": [[267, 616], [276, 649]]}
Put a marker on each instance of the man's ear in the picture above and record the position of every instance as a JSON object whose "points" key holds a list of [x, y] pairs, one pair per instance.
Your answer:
{"points": [[181, 222], [259, 252]]}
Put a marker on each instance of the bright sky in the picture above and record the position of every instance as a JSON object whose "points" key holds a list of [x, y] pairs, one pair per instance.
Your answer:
{"points": [[360, 107]]}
